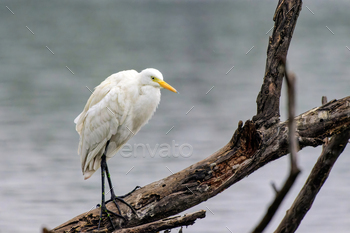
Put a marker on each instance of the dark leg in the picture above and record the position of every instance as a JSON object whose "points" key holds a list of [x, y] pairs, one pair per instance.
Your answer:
{"points": [[104, 210], [114, 198], [119, 198]]}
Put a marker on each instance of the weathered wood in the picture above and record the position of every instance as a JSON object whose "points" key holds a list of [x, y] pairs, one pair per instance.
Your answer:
{"points": [[248, 150], [253, 145], [293, 148], [285, 18], [165, 224], [314, 182]]}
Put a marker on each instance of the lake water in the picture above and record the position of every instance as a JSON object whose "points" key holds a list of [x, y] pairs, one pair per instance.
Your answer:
{"points": [[52, 50]]}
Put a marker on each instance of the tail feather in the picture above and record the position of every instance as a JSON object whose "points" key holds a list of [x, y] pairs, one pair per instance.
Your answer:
{"points": [[88, 174]]}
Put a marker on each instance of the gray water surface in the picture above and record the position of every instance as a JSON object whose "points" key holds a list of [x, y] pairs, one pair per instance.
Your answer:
{"points": [[194, 44]]}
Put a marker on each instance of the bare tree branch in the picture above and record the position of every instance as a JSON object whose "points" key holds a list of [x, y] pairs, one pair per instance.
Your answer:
{"points": [[248, 150], [313, 184], [285, 18], [165, 224], [324, 101], [253, 145], [293, 148]]}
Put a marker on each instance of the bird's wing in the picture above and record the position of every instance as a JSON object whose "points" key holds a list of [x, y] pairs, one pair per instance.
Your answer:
{"points": [[104, 112], [101, 91]]}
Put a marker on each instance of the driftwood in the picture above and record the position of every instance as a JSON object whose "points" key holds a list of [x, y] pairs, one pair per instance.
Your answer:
{"points": [[316, 179], [293, 147], [166, 224], [254, 144]]}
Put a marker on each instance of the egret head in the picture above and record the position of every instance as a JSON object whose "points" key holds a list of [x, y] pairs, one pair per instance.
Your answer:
{"points": [[154, 78]]}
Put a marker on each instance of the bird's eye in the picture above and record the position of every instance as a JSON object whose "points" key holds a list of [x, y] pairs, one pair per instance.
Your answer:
{"points": [[152, 78]]}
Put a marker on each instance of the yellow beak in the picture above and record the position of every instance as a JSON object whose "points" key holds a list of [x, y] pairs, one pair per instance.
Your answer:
{"points": [[167, 86]]}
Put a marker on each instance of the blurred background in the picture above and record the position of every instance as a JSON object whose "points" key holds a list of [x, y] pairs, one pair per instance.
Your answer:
{"points": [[52, 50]]}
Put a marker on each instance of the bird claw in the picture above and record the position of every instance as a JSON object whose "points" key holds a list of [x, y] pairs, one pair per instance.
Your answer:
{"points": [[114, 198], [105, 211], [120, 198], [136, 188]]}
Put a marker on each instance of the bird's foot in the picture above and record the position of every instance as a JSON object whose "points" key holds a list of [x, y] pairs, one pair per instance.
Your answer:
{"points": [[114, 199], [107, 212]]}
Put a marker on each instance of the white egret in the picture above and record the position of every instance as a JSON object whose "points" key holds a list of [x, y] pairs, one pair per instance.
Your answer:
{"points": [[115, 112]]}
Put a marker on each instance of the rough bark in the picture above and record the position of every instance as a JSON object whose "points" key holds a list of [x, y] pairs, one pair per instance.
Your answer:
{"points": [[253, 145], [293, 148], [165, 224], [248, 150], [285, 18]]}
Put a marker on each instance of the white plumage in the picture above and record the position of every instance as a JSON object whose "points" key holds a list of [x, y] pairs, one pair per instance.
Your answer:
{"points": [[116, 111]]}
